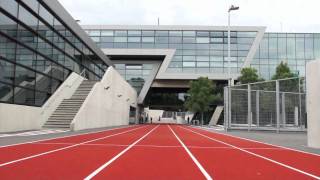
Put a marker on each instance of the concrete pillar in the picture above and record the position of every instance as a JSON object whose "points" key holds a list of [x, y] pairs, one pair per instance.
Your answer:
{"points": [[313, 103]]}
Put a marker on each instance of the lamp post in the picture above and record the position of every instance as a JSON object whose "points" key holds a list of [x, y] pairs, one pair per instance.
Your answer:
{"points": [[232, 8]]}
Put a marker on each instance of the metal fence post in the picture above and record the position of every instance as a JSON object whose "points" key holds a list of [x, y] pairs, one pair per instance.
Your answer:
{"points": [[257, 108], [278, 105], [249, 119], [300, 106], [283, 109], [226, 108], [230, 107]]}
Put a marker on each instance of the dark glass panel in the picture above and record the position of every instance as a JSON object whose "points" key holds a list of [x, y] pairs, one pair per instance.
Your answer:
{"points": [[6, 71], [6, 93], [24, 77], [23, 96]]}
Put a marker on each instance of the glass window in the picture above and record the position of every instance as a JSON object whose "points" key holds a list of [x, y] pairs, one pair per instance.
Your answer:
{"points": [[216, 34], [189, 64], [147, 33], [175, 33], [10, 6], [162, 33], [246, 34], [44, 13], [94, 33], [317, 47], [189, 33], [300, 47], [134, 39], [216, 58], [202, 40], [106, 39], [24, 77], [175, 64], [162, 39], [23, 96], [175, 40], [202, 33], [27, 18], [148, 39], [309, 48], [202, 58], [6, 71], [189, 58], [33, 4], [106, 33], [216, 40], [120, 39], [134, 33], [6, 93], [202, 64], [120, 33], [189, 40]]}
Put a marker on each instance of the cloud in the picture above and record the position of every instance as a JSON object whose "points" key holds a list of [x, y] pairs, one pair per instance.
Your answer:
{"points": [[284, 15]]}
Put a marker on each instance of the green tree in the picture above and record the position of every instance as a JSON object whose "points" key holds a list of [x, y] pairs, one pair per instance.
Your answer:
{"points": [[200, 96], [283, 71], [249, 75]]}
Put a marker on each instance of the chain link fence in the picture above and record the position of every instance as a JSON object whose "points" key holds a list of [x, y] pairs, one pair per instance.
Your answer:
{"points": [[269, 105]]}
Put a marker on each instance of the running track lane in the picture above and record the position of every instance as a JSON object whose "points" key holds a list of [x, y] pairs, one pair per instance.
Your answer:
{"points": [[157, 156], [252, 160], [75, 162], [14, 152]]}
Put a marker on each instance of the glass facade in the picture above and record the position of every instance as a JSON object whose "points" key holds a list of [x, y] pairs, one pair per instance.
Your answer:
{"points": [[294, 48], [135, 74], [196, 51], [205, 51], [38, 52]]}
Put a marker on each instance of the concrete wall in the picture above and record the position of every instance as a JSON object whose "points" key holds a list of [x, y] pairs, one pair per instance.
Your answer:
{"points": [[108, 103], [313, 103], [20, 118]]}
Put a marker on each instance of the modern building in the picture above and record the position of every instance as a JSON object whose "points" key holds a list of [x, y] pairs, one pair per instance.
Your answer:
{"points": [[164, 58], [54, 74], [49, 66]]}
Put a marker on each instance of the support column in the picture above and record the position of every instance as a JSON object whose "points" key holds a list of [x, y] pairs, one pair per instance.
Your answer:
{"points": [[313, 103]]}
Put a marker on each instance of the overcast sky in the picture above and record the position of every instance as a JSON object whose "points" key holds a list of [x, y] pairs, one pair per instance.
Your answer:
{"points": [[277, 15]]}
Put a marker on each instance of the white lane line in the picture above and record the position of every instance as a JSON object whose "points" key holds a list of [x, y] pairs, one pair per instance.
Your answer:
{"points": [[162, 146], [40, 140], [64, 148], [305, 152], [254, 154], [90, 176], [204, 172]]}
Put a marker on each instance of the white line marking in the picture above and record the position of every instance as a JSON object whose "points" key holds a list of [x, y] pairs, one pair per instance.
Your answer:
{"points": [[254, 154], [204, 172], [68, 147], [207, 129], [30, 142], [90, 176], [163, 146]]}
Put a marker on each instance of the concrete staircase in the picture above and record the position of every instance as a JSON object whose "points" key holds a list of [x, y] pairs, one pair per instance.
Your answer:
{"points": [[67, 110]]}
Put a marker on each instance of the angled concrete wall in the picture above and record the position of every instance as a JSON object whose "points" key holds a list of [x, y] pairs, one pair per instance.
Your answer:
{"points": [[108, 103], [313, 103], [15, 117]]}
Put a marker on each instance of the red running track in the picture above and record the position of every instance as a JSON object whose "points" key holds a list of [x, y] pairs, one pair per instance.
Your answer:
{"points": [[155, 152]]}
